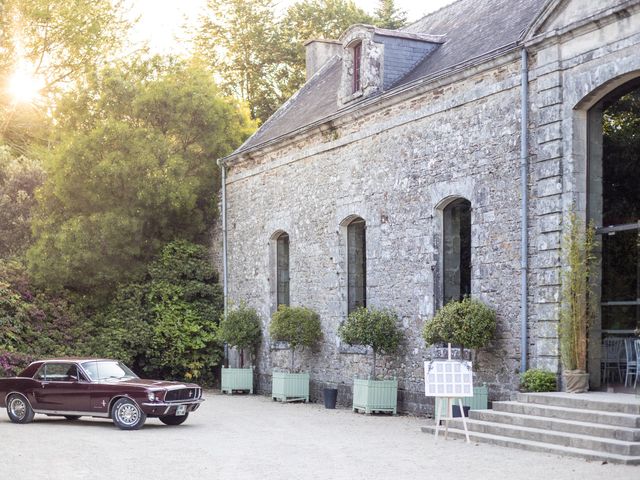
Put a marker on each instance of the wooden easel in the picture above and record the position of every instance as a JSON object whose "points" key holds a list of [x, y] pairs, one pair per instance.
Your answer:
{"points": [[449, 414]]}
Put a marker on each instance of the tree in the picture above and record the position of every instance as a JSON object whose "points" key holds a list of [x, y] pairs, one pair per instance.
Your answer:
{"points": [[19, 178], [58, 42], [237, 39], [166, 325], [299, 326], [373, 328], [387, 15], [240, 328], [133, 168]]}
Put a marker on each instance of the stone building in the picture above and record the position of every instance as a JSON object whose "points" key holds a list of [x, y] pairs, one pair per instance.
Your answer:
{"points": [[419, 165]]}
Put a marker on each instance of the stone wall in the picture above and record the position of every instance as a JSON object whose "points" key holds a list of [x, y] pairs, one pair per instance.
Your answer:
{"points": [[396, 167]]}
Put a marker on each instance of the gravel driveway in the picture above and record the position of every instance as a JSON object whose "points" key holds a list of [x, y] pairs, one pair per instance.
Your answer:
{"points": [[248, 437]]}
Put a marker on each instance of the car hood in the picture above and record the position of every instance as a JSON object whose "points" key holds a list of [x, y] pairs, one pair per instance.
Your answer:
{"points": [[143, 382]]}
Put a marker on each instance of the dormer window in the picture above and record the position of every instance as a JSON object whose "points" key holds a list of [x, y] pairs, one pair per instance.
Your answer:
{"points": [[357, 62]]}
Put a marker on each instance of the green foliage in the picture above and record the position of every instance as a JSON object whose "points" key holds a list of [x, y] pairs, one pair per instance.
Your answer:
{"points": [[468, 323], [299, 326], [19, 178], [167, 325], [388, 15], [134, 169], [241, 329], [377, 329], [578, 300], [538, 381]]}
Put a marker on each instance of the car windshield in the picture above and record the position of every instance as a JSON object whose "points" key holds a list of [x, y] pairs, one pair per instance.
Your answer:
{"points": [[105, 370]]}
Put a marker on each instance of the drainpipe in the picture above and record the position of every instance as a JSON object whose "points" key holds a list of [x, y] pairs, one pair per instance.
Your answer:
{"points": [[223, 170], [524, 179]]}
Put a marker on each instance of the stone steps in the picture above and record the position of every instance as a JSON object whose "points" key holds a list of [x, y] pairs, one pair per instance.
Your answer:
{"points": [[542, 447], [593, 426]]}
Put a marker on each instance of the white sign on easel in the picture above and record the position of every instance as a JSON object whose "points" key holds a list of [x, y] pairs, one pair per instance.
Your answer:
{"points": [[448, 379]]}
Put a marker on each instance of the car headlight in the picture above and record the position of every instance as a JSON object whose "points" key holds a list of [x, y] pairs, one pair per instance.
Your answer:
{"points": [[151, 396]]}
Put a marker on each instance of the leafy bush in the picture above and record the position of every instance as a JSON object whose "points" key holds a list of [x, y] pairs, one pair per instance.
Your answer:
{"points": [[538, 381], [373, 328], [300, 326], [241, 329], [468, 323], [166, 326], [11, 364]]}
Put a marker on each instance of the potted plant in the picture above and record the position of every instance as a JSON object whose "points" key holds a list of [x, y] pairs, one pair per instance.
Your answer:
{"points": [[577, 310], [466, 323], [378, 330], [239, 328], [300, 327]]}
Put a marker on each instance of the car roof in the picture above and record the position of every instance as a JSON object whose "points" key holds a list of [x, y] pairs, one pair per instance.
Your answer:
{"points": [[76, 360]]}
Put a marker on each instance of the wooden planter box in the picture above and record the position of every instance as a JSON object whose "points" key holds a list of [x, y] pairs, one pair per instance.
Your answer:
{"points": [[290, 387], [479, 401], [375, 395], [236, 379]]}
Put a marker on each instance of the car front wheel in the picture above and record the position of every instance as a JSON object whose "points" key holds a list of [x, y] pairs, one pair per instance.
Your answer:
{"points": [[19, 410], [173, 419], [127, 415]]}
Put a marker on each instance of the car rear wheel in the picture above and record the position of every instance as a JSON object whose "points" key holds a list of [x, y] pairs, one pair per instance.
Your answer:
{"points": [[127, 415], [173, 419], [19, 410], [72, 417]]}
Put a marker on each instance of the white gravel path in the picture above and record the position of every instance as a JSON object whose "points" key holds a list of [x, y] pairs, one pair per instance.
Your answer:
{"points": [[252, 437]]}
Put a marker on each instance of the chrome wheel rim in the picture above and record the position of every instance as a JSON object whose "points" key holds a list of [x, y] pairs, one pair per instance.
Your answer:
{"points": [[18, 408], [128, 414]]}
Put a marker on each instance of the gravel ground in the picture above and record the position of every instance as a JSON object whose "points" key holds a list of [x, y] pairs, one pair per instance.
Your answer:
{"points": [[249, 437]]}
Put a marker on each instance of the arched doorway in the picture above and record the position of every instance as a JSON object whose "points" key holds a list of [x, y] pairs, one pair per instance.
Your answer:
{"points": [[613, 193]]}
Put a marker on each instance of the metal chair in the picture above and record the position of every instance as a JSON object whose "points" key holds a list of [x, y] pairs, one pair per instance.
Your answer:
{"points": [[632, 361], [611, 357]]}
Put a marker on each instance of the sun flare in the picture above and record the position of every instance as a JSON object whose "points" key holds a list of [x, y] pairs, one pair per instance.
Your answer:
{"points": [[24, 86]]}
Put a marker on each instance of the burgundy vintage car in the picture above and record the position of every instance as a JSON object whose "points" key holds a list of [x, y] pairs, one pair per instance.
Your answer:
{"points": [[78, 387]]}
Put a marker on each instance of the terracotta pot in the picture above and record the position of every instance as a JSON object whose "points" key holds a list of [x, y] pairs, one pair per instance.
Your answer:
{"points": [[575, 381]]}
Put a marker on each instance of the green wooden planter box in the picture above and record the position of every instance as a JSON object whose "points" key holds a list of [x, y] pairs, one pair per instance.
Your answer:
{"points": [[290, 387], [236, 379], [375, 395], [479, 401]]}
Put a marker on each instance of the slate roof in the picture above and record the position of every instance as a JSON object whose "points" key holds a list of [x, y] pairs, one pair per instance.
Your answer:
{"points": [[472, 28]]}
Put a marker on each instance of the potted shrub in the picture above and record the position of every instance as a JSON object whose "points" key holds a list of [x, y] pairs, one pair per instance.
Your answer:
{"points": [[466, 323], [576, 312], [300, 327], [378, 330], [240, 329]]}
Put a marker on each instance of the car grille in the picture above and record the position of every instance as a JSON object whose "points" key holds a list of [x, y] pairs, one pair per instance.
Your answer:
{"points": [[182, 394]]}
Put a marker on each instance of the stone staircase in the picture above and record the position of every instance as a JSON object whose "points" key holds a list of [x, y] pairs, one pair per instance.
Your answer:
{"points": [[594, 426]]}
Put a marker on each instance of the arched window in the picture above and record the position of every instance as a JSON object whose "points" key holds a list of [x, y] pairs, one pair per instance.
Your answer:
{"points": [[356, 264], [614, 204], [456, 254], [282, 269]]}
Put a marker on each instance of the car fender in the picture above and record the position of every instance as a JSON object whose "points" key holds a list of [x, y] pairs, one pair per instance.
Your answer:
{"points": [[118, 397], [6, 398]]}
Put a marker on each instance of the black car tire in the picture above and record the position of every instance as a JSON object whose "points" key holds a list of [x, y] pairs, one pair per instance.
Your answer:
{"points": [[173, 419], [19, 409], [127, 415], [72, 417]]}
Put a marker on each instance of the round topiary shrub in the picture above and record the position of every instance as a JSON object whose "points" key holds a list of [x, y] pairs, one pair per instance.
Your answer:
{"points": [[240, 328], [299, 326], [467, 323], [535, 380], [373, 328]]}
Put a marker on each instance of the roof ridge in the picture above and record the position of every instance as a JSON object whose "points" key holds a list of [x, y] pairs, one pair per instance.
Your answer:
{"points": [[433, 13]]}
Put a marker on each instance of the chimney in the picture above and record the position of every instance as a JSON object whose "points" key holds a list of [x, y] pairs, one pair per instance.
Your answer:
{"points": [[319, 52]]}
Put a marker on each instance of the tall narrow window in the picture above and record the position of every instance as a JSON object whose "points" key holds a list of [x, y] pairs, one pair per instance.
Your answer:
{"points": [[282, 269], [456, 259], [356, 265], [357, 60]]}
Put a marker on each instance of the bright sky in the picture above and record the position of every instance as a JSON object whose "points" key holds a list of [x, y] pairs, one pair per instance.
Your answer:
{"points": [[161, 20]]}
